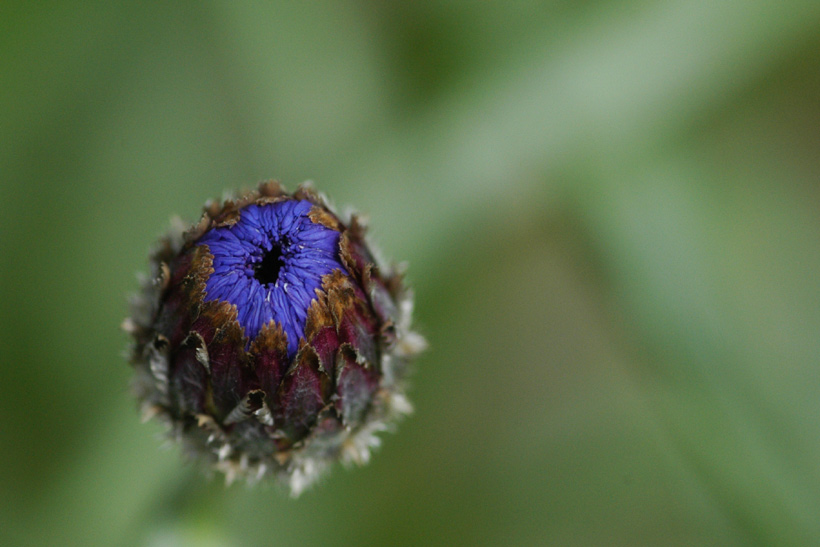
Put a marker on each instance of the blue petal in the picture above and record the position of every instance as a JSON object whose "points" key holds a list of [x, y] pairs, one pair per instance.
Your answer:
{"points": [[309, 251]]}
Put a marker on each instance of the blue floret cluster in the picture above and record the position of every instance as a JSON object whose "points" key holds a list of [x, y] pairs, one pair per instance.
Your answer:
{"points": [[269, 265]]}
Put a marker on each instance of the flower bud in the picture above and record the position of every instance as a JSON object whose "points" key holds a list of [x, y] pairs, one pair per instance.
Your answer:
{"points": [[270, 339]]}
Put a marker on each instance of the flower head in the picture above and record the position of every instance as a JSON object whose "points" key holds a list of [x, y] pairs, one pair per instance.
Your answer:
{"points": [[270, 339]]}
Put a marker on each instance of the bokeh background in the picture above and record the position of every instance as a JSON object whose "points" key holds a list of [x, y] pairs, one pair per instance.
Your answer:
{"points": [[610, 212]]}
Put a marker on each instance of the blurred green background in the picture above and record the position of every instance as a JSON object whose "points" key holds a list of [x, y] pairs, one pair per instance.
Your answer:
{"points": [[610, 212]]}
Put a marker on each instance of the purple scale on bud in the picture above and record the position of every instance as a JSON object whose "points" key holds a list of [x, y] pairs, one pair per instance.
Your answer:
{"points": [[270, 340]]}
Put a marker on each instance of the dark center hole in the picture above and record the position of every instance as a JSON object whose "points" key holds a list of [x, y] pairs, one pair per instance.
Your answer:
{"points": [[267, 270]]}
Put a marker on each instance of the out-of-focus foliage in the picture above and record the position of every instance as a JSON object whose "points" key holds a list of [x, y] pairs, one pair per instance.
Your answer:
{"points": [[610, 210]]}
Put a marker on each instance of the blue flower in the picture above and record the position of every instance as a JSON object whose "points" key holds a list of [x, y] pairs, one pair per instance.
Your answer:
{"points": [[270, 339], [269, 265]]}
